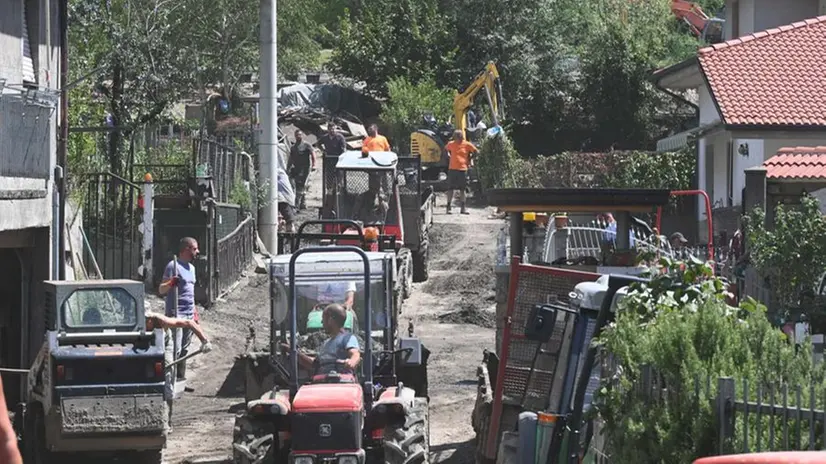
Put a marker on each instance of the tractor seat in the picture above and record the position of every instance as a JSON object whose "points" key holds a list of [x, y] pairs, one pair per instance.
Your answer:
{"points": [[334, 377]]}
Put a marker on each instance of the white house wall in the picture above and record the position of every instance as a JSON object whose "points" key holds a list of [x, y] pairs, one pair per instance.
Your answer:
{"points": [[708, 111], [28, 213], [720, 160], [741, 163], [759, 15], [772, 13], [717, 194]]}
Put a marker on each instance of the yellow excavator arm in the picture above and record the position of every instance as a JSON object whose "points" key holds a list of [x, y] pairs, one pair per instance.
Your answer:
{"points": [[488, 80]]}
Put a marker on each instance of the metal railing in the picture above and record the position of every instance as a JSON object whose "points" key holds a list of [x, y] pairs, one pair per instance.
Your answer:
{"points": [[586, 240], [25, 123], [234, 254], [224, 163]]}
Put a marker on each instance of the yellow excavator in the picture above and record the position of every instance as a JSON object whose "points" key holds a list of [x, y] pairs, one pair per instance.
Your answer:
{"points": [[429, 143]]}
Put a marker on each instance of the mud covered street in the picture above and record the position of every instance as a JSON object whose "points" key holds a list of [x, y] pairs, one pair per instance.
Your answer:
{"points": [[453, 312]]}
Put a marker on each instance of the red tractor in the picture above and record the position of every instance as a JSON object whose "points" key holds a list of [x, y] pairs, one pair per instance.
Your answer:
{"points": [[378, 413]]}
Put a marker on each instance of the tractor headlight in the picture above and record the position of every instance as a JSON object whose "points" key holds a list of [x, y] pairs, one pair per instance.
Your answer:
{"points": [[303, 460], [348, 459]]}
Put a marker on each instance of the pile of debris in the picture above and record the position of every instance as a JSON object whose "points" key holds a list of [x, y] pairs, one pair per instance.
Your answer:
{"points": [[314, 121]]}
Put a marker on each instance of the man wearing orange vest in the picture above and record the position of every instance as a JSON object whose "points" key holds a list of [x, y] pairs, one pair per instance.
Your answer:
{"points": [[461, 154], [374, 141]]}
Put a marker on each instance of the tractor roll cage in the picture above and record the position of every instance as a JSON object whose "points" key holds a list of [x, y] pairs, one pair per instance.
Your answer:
{"points": [[385, 242], [367, 367]]}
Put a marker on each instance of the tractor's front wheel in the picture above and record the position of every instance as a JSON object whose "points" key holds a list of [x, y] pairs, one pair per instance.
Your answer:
{"points": [[409, 443], [253, 441]]}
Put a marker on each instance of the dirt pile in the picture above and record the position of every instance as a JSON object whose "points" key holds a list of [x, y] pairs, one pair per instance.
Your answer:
{"points": [[470, 314]]}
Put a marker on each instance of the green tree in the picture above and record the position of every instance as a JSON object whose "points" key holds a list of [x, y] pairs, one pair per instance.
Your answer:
{"points": [[298, 30], [394, 38], [407, 103], [627, 40], [791, 252], [129, 50], [221, 43]]}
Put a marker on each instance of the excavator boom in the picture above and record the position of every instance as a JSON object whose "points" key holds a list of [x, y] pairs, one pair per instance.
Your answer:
{"points": [[488, 80], [709, 29]]}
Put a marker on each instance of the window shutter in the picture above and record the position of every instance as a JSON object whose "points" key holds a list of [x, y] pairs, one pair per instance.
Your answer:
{"points": [[28, 63]]}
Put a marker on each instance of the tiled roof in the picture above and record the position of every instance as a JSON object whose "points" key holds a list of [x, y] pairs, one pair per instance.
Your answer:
{"points": [[773, 78], [797, 163]]}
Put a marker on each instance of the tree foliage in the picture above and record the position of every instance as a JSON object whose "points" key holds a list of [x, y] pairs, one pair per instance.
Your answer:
{"points": [[574, 74], [394, 38], [221, 43], [614, 169], [791, 252], [129, 51], [298, 30], [679, 325], [406, 104]]}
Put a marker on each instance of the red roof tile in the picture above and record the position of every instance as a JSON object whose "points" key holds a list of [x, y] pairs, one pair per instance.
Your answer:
{"points": [[797, 163], [773, 78]]}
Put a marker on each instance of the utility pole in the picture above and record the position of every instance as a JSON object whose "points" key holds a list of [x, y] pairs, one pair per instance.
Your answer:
{"points": [[62, 139], [268, 142]]}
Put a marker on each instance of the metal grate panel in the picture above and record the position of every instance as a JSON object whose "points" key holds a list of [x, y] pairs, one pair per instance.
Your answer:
{"points": [[544, 389]]}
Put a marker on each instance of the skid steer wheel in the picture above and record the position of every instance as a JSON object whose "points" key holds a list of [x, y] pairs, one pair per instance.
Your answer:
{"points": [[420, 261], [253, 442], [409, 443]]}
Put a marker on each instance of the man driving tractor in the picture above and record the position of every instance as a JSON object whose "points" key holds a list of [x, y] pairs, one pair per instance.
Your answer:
{"points": [[340, 352]]}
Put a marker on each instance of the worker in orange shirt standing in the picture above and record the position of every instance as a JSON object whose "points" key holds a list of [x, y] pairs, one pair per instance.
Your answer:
{"points": [[9, 453], [374, 141], [461, 158]]}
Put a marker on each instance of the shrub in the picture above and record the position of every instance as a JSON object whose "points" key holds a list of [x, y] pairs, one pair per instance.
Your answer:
{"points": [[500, 166], [680, 325], [408, 103], [614, 169]]}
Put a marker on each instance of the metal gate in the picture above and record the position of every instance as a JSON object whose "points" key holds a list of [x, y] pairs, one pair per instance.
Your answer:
{"points": [[111, 215]]}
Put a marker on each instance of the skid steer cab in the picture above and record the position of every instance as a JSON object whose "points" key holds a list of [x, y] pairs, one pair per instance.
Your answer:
{"points": [[327, 413], [97, 385]]}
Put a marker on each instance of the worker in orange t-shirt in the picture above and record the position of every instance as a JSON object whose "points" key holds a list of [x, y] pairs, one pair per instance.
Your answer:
{"points": [[374, 141], [9, 453], [461, 158]]}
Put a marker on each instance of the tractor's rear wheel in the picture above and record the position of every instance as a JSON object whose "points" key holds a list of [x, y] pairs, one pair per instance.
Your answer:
{"points": [[409, 443], [253, 441], [420, 261]]}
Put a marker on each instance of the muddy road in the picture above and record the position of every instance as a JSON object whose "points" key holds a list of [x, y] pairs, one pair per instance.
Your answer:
{"points": [[453, 313]]}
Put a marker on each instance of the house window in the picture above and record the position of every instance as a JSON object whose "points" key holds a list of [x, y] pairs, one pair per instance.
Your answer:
{"points": [[710, 171], [735, 19], [29, 76], [730, 174]]}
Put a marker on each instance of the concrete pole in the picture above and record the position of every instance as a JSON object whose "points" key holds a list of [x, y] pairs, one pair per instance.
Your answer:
{"points": [[148, 229], [268, 143]]}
